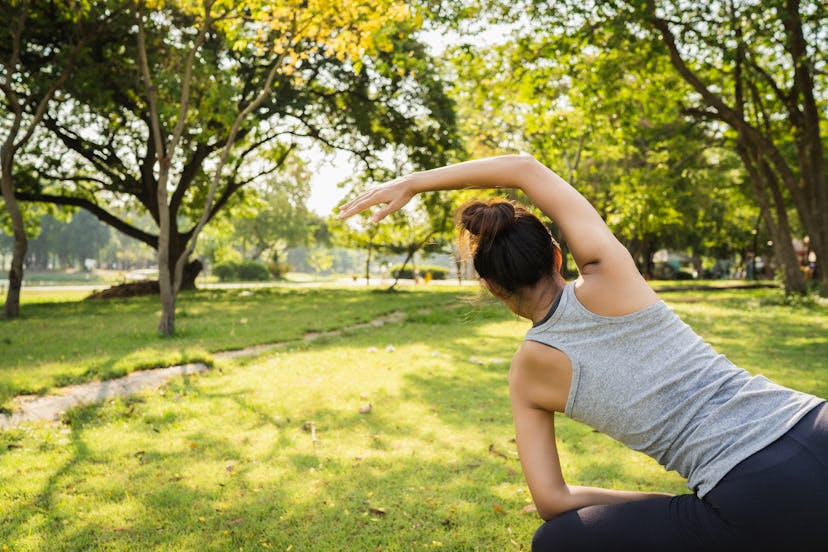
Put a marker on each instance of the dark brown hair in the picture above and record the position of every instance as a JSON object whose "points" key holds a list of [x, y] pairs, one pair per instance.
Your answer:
{"points": [[510, 246]]}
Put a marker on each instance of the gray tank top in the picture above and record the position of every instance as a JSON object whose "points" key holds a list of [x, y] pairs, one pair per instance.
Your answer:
{"points": [[647, 380]]}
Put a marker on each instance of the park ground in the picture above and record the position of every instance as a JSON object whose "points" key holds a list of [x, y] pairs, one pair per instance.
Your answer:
{"points": [[397, 437]]}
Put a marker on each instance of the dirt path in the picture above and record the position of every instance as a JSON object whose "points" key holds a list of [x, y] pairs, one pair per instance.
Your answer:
{"points": [[32, 408]]}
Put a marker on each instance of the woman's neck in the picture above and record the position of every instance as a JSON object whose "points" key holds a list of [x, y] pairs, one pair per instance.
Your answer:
{"points": [[534, 303]]}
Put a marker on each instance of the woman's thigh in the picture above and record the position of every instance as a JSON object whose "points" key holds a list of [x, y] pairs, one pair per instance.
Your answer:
{"points": [[683, 523], [779, 496], [774, 500]]}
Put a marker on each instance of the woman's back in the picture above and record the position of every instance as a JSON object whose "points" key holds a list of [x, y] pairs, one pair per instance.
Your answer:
{"points": [[649, 381]]}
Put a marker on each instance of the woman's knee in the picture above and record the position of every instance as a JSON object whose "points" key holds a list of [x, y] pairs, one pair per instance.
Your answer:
{"points": [[554, 535]]}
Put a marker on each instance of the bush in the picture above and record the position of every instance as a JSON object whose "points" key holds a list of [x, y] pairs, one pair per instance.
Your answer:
{"points": [[278, 270], [226, 271], [249, 271], [437, 272], [253, 271]]}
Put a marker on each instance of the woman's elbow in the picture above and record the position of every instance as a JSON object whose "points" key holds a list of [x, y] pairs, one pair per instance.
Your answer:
{"points": [[552, 506], [546, 513]]}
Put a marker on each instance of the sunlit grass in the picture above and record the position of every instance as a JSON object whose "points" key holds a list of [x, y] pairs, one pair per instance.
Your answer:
{"points": [[58, 343], [273, 451], [763, 332]]}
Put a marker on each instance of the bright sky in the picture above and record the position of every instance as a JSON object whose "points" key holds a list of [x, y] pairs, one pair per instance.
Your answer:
{"points": [[325, 193]]}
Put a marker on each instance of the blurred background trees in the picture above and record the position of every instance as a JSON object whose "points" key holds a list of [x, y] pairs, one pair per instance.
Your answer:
{"points": [[196, 130]]}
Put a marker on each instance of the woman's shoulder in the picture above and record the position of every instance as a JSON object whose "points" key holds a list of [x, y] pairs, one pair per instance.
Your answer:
{"points": [[541, 375], [613, 294]]}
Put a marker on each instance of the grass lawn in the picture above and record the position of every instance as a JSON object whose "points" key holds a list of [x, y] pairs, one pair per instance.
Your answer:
{"points": [[58, 342], [277, 452]]}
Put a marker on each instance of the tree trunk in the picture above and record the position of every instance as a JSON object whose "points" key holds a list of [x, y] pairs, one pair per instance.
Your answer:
{"points": [[166, 325], [809, 197], [169, 287], [762, 179], [806, 118], [783, 248], [819, 245], [368, 263], [166, 263], [11, 308], [191, 271]]}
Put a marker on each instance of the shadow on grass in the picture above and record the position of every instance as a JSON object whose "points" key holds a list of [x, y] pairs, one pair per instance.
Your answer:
{"points": [[55, 344], [312, 500], [447, 479]]}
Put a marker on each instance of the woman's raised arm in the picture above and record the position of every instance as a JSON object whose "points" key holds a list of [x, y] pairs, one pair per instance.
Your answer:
{"points": [[588, 237]]}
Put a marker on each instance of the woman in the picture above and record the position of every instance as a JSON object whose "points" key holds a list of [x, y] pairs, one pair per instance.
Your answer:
{"points": [[605, 351]]}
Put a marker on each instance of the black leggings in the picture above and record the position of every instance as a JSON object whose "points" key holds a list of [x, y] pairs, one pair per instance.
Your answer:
{"points": [[775, 500]]}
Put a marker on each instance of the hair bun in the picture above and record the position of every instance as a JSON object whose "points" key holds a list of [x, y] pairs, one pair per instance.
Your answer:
{"points": [[486, 220]]}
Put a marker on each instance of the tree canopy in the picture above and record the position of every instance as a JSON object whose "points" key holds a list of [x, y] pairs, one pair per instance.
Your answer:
{"points": [[756, 69], [177, 107], [610, 121]]}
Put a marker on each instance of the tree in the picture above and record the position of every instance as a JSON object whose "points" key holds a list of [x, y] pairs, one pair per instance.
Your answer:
{"points": [[609, 121], [280, 218], [426, 229], [424, 226], [754, 67], [357, 232], [200, 101], [320, 260], [765, 78], [29, 81], [68, 242]]}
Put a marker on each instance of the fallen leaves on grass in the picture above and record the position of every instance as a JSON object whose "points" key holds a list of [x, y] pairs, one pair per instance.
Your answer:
{"points": [[496, 452], [528, 509]]}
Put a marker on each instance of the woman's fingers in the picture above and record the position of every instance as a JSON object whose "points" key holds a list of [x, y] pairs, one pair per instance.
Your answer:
{"points": [[384, 212], [360, 203], [389, 195]]}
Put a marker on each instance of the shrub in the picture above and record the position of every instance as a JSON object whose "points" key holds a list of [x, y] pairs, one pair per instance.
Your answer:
{"points": [[437, 272], [253, 271], [249, 271], [226, 271], [278, 270]]}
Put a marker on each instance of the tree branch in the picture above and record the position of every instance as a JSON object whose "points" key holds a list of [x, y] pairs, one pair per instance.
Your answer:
{"points": [[188, 174], [37, 116], [87, 150], [102, 214], [231, 138], [184, 100], [724, 112]]}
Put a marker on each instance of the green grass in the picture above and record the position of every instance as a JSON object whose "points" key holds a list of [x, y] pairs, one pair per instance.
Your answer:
{"points": [[67, 277], [228, 461], [59, 343]]}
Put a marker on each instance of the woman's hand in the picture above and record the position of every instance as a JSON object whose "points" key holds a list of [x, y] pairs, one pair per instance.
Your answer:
{"points": [[394, 194]]}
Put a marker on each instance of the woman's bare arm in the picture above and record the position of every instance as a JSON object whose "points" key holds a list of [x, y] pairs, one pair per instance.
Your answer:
{"points": [[588, 237], [615, 286], [538, 386]]}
